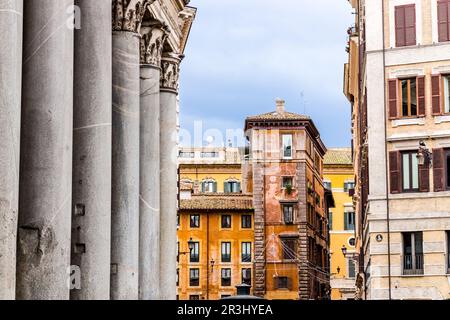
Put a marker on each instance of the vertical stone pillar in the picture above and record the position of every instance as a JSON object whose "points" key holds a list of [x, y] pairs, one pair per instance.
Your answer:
{"points": [[11, 16], [169, 148], [152, 42], [43, 253], [91, 209], [125, 149]]}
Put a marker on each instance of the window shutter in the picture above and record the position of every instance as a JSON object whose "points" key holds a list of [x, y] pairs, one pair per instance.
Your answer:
{"points": [[436, 94], [394, 171], [215, 187], [438, 170], [421, 95], [400, 39], [238, 187], [226, 187], [346, 227], [393, 91], [424, 178], [203, 187], [443, 20], [410, 25]]}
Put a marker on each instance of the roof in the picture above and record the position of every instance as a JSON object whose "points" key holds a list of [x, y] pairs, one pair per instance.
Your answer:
{"points": [[279, 116], [339, 156], [218, 202]]}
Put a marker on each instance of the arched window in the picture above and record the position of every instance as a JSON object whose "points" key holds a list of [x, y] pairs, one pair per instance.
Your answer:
{"points": [[209, 186], [232, 186]]}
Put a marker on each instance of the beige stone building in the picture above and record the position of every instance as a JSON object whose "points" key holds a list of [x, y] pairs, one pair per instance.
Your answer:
{"points": [[397, 80]]}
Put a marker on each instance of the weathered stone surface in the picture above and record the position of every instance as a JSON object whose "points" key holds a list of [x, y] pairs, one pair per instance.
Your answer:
{"points": [[91, 219], [125, 167], [43, 254], [11, 19]]}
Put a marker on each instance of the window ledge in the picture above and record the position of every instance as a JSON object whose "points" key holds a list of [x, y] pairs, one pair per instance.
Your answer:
{"points": [[442, 119], [408, 122]]}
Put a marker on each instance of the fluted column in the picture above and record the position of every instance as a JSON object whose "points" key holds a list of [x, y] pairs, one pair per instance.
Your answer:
{"points": [[43, 253], [91, 218], [127, 17], [152, 42], [169, 137], [11, 18]]}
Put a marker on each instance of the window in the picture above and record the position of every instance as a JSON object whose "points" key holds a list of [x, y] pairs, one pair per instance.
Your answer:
{"points": [[288, 213], [327, 185], [282, 282], [348, 185], [448, 252], [410, 170], [209, 186], [195, 252], [226, 251], [412, 253], [287, 146], [194, 297], [444, 20], [195, 221], [246, 221], [405, 25], [186, 154], [447, 169], [246, 252], [289, 249], [408, 97], [330, 220], [349, 220], [247, 276], [232, 187], [446, 93], [287, 181], [209, 155], [226, 278], [352, 242], [351, 268], [226, 221], [194, 277]]}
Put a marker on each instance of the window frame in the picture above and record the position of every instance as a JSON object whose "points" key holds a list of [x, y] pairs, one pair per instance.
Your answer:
{"points": [[286, 255], [246, 226], [283, 185], [447, 2], [194, 277], [409, 105], [284, 147], [225, 281], [412, 154], [282, 285], [292, 213], [447, 168], [246, 280], [194, 257], [228, 247], [193, 225], [224, 216], [246, 252], [413, 270], [445, 78], [348, 216]]}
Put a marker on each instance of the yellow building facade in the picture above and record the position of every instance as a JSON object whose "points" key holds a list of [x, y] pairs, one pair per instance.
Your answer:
{"points": [[339, 177]]}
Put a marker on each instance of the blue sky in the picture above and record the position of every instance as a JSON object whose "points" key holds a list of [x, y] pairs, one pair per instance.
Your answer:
{"points": [[243, 54]]}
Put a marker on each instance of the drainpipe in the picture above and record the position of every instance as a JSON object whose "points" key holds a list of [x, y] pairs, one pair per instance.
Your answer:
{"points": [[386, 154]]}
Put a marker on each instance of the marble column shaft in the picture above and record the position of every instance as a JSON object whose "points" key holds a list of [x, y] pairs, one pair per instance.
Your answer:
{"points": [[43, 253], [169, 153], [91, 215], [11, 20]]}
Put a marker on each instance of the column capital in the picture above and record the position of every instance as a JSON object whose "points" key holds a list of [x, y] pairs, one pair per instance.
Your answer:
{"points": [[153, 38], [128, 14], [170, 71]]}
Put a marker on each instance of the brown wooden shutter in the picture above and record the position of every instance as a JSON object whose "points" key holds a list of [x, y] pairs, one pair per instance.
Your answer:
{"points": [[436, 94], [444, 20], [393, 93], [438, 170], [400, 36], [394, 171], [421, 95], [410, 25], [424, 178]]}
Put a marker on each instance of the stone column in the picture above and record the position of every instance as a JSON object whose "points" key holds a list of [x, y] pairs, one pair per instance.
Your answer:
{"points": [[91, 210], [10, 101], [152, 42], [125, 150], [169, 148], [43, 253]]}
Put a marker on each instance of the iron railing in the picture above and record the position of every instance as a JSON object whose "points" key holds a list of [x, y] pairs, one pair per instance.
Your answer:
{"points": [[413, 264]]}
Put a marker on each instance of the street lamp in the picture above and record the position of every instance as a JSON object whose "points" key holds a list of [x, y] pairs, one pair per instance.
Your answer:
{"points": [[344, 250], [424, 156], [213, 263]]}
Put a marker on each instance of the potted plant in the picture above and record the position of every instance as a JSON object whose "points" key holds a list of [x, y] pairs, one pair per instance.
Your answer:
{"points": [[289, 189]]}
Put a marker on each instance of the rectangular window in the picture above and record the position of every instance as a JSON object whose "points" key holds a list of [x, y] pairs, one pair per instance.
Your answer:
{"points": [[247, 276], [232, 187], [194, 277], [288, 213], [351, 268], [327, 185], [330, 221], [195, 221], [287, 146], [226, 278], [186, 154], [287, 182], [447, 169], [408, 97], [282, 282], [209, 186], [412, 253], [446, 93], [448, 252], [246, 252], [209, 154], [226, 251], [246, 221], [349, 220], [226, 221], [289, 249], [194, 252], [405, 25], [348, 185], [410, 171], [444, 20]]}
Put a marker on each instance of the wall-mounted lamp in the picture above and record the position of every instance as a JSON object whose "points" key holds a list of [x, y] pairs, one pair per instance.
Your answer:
{"points": [[424, 156]]}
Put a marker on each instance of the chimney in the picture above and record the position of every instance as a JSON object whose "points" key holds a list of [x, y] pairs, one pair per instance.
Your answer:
{"points": [[280, 105]]}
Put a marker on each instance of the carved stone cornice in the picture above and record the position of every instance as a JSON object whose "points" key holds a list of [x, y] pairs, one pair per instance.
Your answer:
{"points": [[128, 14], [152, 44], [170, 72]]}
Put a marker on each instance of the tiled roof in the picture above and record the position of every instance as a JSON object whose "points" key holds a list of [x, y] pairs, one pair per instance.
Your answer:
{"points": [[278, 116], [341, 156], [218, 202]]}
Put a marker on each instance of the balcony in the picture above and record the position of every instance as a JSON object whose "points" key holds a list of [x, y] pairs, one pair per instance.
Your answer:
{"points": [[413, 265]]}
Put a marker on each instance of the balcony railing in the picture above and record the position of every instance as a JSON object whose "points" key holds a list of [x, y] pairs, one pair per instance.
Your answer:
{"points": [[413, 264]]}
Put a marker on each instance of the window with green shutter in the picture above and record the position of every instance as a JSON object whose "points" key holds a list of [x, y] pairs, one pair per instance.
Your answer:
{"points": [[349, 220]]}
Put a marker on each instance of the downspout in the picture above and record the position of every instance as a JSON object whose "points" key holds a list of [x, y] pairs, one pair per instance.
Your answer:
{"points": [[386, 154]]}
